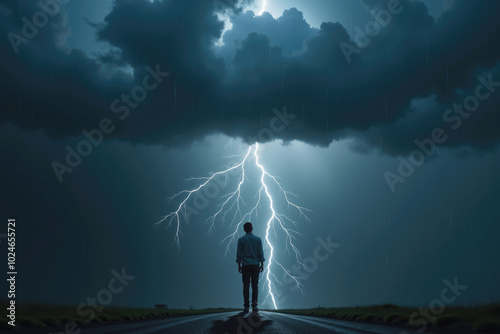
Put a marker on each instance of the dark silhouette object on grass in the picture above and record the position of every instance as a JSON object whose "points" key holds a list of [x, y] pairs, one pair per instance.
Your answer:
{"points": [[248, 256]]}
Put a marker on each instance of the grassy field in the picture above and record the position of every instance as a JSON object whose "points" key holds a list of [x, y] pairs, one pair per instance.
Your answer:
{"points": [[479, 318], [38, 315]]}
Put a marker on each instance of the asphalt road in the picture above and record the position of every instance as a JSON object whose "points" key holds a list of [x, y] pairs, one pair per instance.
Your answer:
{"points": [[239, 323]]}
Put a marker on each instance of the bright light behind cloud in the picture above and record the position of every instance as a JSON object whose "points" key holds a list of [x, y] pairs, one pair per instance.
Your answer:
{"points": [[258, 7], [263, 7], [227, 20]]}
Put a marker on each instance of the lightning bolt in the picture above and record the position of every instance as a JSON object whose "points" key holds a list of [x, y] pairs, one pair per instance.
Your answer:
{"points": [[233, 202], [264, 3]]}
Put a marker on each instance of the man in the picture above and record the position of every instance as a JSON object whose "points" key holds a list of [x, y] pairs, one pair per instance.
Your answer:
{"points": [[248, 256]]}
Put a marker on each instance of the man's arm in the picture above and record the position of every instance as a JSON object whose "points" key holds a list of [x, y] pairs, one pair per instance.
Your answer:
{"points": [[239, 255], [261, 256]]}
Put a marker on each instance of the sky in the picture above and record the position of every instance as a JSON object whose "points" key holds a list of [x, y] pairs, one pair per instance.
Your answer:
{"points": [[377, 117]]}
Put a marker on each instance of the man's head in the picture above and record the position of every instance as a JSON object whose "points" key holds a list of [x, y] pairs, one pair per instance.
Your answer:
{"points": [[248, 227]]}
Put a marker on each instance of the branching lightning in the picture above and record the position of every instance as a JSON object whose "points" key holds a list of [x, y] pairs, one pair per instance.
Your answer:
{"points": [[231, 209]]}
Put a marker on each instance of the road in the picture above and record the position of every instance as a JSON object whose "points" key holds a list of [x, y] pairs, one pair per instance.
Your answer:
{"points": [[238, 323]]}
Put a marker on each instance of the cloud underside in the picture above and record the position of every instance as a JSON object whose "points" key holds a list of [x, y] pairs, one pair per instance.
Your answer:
{"points": [[391, 89]]}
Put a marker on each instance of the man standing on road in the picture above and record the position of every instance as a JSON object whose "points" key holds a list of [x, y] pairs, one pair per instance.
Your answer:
{"points": [[248, 257]]}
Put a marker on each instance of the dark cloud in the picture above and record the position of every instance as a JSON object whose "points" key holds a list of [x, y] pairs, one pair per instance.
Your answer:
{"points": [[289, 31], [268, 63]]}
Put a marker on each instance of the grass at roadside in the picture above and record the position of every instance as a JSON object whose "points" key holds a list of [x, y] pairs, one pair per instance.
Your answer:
{"points": [[40, 315], [485, 317]]}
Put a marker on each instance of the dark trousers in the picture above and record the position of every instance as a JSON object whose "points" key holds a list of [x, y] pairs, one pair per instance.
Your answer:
{"points": [[250, 273]]}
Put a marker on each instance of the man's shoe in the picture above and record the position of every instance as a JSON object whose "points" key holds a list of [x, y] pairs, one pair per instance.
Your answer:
{"points": [[246, 309], [255, 309]]}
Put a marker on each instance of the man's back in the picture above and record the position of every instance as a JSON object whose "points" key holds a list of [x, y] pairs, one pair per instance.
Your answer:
{"points": [[250, 250], [248, 256]]}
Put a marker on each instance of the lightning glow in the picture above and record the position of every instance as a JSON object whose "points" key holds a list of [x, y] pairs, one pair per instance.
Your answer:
{"points": [[231, 207], [264, 3]]}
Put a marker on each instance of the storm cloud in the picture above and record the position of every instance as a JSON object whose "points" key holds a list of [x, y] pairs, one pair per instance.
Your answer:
{"points": [[413, 69]]}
